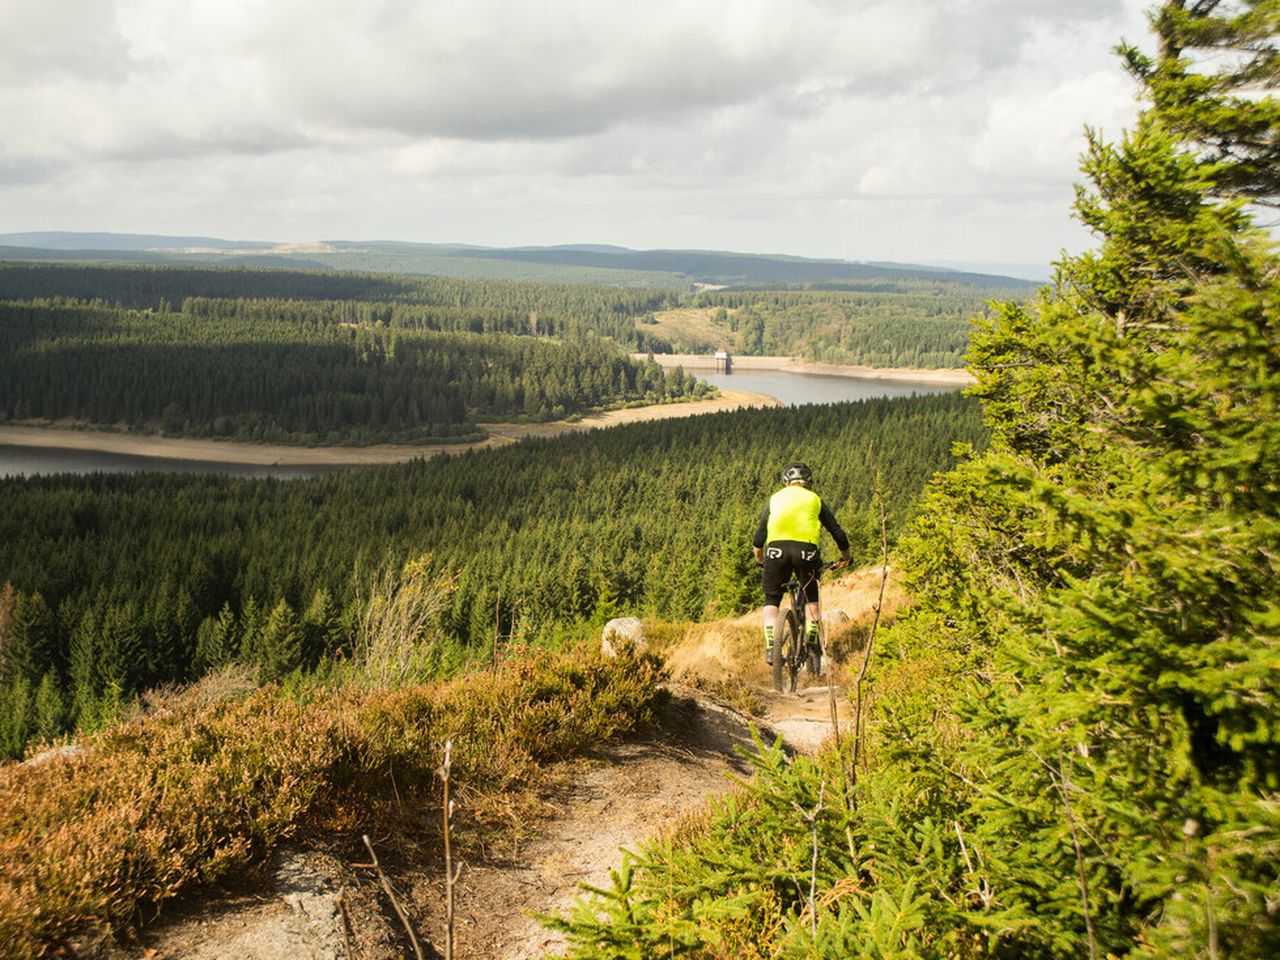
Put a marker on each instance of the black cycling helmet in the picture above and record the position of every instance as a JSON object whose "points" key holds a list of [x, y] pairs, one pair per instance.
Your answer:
{"points": [[797, 471]]}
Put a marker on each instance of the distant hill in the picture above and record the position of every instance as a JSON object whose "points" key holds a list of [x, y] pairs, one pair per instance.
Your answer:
{"points": [[250, 258], [62, 240], [566, 263]]}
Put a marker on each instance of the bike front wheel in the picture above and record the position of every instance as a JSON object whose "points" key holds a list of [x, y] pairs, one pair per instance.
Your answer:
{"points": [[815, 660]]}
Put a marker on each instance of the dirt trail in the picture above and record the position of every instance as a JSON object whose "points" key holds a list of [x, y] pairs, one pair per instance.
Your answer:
{"points": [[605, 804], [628, 793]]}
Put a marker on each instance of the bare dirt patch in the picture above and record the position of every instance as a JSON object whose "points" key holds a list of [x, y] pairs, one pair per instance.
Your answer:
{"points": [[727, 655], [727, 400], [742, 363], [610, 804], [600, 806]]}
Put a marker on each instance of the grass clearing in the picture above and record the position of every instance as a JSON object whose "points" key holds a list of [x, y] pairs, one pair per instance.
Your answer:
{"points": [[690, 329]]}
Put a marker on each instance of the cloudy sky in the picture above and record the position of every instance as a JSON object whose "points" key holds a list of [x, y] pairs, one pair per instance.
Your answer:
{"points": [[921, 130]]}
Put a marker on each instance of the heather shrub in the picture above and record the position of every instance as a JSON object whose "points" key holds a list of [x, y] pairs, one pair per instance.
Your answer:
{"points": [[195, 792]]}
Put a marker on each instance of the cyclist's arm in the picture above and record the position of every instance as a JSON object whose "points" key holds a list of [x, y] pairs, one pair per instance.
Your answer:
{"points": [[757, 542], [828, 520], [762, 530]]}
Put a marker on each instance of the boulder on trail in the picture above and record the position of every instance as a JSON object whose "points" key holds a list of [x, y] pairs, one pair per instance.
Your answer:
{"points": [[622, 632], [834, 618]]}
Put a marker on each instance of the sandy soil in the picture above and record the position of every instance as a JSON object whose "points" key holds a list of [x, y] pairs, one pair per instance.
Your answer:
{"points": [[742, 364], [219, 451]]}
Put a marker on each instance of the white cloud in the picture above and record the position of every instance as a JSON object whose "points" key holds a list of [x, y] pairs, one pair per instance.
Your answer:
{"points": [[765, 121]]}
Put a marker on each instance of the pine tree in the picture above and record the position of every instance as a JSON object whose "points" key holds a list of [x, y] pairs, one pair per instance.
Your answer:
{"points": [[17, 716], [737, 586], [280, 651], [50, 709], [1208, 85], [217, 640], [1117, 579], [319, 626]]}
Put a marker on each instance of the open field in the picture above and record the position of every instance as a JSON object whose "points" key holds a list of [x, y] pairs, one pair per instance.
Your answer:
{"points": [[221, 451], [689, 326]]}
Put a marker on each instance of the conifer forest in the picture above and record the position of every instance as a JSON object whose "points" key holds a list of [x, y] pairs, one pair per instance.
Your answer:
{"points": [[1065, 745]]}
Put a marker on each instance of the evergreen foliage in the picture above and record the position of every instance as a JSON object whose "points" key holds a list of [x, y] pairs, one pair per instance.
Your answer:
{"points": [[141, 580], [1207, 84], [1075, 747], [899, 321], [902, 323]]}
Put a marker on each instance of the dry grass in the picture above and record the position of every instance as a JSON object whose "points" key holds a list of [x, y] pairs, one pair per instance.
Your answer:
{"points": [[690, 327], [200, 788], [400, 607], [730, 650], [733, 692]]}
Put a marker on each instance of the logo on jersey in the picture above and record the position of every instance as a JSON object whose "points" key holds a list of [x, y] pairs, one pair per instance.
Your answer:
{"points": [[773, 553]]}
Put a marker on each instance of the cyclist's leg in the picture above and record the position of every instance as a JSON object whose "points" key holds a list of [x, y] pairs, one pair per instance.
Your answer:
{"points": [[812, 609], [769, 620], [774, 574]]}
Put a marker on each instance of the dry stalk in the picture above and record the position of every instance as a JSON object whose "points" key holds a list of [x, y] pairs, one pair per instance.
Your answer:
{"points": [[1211, 914], [1064, 787], [450, 875], [871, 638], [811, 818], [983, 889], [346, 927], [831, 677], [395, 901], [398, 608], [497, 630]]}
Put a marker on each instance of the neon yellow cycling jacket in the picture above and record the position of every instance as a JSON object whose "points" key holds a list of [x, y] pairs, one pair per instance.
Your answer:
{"points": [[798, 514]]}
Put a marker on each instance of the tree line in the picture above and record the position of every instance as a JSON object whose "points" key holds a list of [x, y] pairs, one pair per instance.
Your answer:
{"points": [[262, 372], [891, 322]]}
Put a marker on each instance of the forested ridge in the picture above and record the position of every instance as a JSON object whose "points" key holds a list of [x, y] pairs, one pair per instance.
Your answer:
{"points": [[1072, 746], [901, 321], [120, 583], [301, 373], [1068, 747]]}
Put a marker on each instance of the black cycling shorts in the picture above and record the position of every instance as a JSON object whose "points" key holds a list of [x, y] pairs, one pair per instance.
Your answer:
{"points": [[784, 559]]}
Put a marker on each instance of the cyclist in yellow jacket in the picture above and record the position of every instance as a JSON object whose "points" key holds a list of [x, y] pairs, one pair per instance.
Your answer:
{"points": [[786, 544]]}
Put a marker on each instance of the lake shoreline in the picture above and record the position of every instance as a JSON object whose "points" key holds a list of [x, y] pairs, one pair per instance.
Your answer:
{"points": [[701, 362], [280, 455]]}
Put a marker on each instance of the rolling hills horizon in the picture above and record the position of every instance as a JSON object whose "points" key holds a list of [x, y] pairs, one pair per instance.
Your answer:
{"points": [[570, 262]]}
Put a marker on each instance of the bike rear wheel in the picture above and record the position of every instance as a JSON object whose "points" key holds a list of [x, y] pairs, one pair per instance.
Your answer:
{"points": [[789, 652]]}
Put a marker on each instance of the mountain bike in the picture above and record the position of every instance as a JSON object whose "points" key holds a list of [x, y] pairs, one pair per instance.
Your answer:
{"points": [[790, 652]]}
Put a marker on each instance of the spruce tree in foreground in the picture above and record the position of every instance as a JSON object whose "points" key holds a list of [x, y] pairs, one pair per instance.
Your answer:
{"points": [[1075, 750]]}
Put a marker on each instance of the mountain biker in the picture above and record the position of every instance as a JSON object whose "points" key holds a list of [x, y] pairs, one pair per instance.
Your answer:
{"points": [[786, 545]]}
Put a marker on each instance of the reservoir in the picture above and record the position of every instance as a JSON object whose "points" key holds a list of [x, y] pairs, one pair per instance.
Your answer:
{"points": [[794, 389], [790, 388]]}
